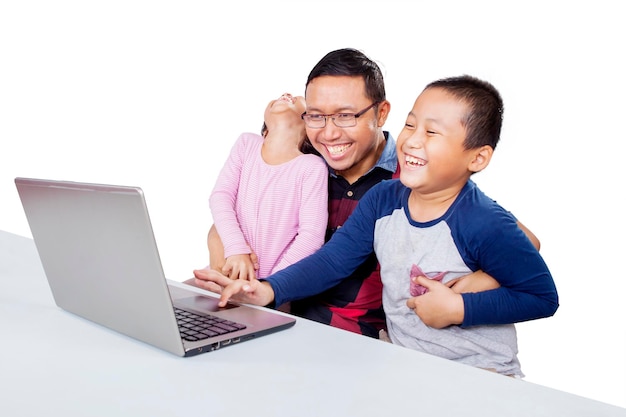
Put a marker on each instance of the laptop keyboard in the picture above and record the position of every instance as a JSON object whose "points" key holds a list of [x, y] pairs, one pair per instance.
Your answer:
{"points": [[194, 327]]}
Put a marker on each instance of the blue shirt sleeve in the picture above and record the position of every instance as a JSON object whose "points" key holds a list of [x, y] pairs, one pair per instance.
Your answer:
{"points": [[501, 249], [349, 247]]}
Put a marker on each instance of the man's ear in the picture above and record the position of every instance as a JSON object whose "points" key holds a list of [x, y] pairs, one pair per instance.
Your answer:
{"points": [[482, 157], [383, 112]]}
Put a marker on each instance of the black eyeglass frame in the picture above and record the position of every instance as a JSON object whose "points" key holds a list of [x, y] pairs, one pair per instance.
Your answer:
{"points": [[335, 115]]}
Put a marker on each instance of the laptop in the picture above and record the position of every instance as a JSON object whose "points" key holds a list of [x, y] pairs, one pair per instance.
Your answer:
{"points": [[99, 254]]}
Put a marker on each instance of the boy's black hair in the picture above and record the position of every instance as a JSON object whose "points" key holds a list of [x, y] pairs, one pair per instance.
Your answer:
{"points": [[483, 121]]}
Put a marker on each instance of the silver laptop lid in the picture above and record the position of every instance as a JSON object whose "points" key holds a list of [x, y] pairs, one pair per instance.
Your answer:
{"points": [[99, 254]]}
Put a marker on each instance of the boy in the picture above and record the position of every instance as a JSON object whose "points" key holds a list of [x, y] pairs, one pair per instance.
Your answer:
{"points": [[434, 219]]}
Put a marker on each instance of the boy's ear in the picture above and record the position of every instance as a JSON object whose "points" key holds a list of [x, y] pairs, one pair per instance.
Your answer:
{"points": [[482, 157]]}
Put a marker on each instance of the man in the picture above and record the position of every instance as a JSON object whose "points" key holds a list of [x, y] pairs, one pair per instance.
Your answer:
{"points": [[346, 110]]}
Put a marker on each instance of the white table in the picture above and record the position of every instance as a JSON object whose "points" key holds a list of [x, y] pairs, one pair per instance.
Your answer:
{"points": [[54, 363]]}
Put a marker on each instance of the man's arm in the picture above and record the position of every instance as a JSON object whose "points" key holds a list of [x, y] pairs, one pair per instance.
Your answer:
{"points": [[216, 250], [533, 239], [479, 281]]}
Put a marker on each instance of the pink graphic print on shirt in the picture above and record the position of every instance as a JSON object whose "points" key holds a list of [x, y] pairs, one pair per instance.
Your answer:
{"points": [[417, 289]]}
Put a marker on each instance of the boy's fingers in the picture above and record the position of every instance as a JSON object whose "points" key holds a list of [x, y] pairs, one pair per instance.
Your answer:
{"points": [[235, 287], [428, 283]]}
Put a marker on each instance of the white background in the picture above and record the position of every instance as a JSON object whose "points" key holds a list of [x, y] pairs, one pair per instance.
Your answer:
{"points": [[154, 93]]}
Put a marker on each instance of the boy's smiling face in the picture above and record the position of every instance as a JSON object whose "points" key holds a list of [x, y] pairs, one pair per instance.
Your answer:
{"points": [[430, 147]]}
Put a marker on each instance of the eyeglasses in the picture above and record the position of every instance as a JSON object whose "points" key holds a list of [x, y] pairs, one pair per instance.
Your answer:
{"points": [[318, 121]]}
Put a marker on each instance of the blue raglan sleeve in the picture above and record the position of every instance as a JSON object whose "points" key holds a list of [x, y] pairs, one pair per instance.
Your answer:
{"points": [[527, 290], [337, 259]]}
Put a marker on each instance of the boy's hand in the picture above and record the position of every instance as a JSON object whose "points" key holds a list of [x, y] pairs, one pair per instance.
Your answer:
{"points": [[244, 291], [439, 307]]}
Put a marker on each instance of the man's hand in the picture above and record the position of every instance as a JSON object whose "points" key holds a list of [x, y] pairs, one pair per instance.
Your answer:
{"points": [[439, 307], [200, 280], [475, 282], [250, 291]]}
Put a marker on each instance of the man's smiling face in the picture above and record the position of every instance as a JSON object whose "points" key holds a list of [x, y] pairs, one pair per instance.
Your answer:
{"points": [[351, 151]]}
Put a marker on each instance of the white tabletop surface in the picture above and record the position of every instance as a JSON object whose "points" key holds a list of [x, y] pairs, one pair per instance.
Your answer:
{"points": [[55, 363]]}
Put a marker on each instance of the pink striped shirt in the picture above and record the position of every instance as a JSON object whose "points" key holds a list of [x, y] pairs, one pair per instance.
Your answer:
{"points": [[280, 211]]}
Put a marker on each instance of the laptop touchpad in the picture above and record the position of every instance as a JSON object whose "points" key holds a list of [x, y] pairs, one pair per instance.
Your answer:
{"points": [[203, 304]]}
